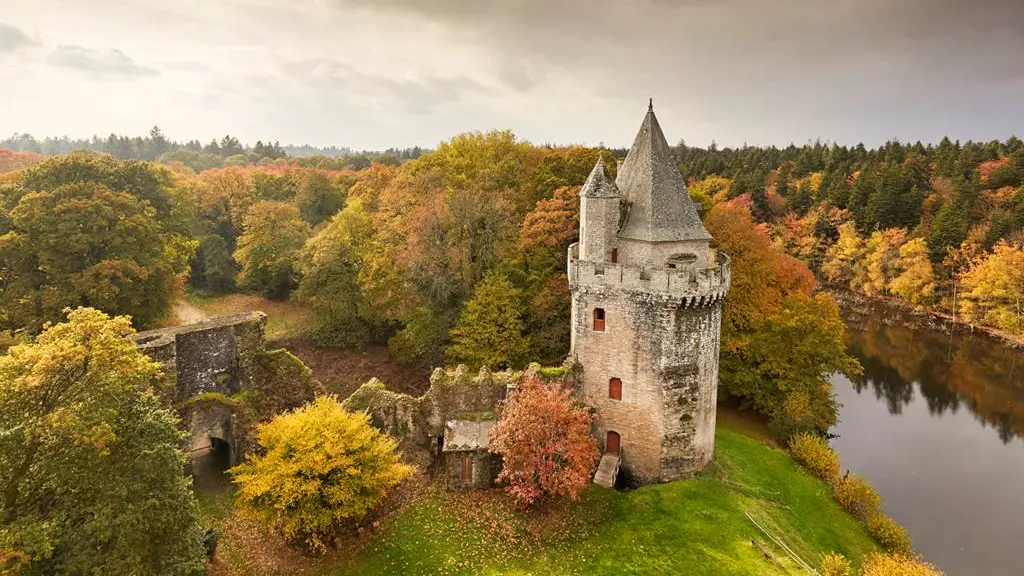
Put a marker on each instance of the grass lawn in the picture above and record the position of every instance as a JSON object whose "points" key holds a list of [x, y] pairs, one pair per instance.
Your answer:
{"points": [[698, 526], [284, 319]]}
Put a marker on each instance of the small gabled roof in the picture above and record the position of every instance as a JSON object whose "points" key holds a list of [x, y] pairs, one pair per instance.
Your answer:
{"points": [[598, 185], [649, 179]]}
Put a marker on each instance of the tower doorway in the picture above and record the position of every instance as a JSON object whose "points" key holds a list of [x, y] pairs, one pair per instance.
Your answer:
{"points": [[611, 443]]}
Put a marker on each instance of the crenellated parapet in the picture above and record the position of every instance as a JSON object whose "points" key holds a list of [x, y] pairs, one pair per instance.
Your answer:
{"points": [[697, 286]]}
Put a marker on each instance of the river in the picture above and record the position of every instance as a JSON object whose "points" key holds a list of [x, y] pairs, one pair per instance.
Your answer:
{"points": [[936, 423]]}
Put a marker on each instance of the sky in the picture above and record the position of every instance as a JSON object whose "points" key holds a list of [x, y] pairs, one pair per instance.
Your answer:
{"points": [[373, 74]]}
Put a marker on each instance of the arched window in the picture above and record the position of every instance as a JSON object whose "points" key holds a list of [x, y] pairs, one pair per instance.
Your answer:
{"points": [[615, 389], [599, 319], [611, 443]]}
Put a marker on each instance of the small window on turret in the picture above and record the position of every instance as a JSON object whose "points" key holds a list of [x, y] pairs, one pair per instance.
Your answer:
{"points": [[599, 319], [615, 255]]}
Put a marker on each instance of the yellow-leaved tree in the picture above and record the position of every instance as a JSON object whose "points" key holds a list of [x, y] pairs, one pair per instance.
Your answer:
{"points": [[994, 287], [916, 280], [843, 255], [317, 466], [880, 261]]}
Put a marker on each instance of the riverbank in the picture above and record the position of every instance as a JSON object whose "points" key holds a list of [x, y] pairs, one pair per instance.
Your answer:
{"points": [[701, 526], [858, 303]]}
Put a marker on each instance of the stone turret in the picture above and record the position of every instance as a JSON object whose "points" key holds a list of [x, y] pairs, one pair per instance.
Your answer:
{"points": [[646, 313], [599, 216]]}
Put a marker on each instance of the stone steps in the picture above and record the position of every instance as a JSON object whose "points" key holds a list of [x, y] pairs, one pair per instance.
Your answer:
{"points": [[607, 470]]}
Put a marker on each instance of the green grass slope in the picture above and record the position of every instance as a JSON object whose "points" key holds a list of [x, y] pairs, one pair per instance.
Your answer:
{"points": [[699, 526]]}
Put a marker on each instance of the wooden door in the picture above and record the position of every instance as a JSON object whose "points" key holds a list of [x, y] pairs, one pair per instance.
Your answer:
{"points": [[467, 468], [611, 444]]}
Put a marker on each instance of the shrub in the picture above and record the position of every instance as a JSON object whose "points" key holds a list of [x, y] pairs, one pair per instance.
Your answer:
{"points": [[835, 565], [814, 454], [896, 565], [893, 537], [318, 465], [857, 497]]}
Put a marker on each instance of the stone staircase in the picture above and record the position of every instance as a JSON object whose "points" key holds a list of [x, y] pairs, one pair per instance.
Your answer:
{"points": [[607, 470]]}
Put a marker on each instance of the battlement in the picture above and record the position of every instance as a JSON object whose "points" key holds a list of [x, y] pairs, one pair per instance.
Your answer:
{"points": [[698, 286]]}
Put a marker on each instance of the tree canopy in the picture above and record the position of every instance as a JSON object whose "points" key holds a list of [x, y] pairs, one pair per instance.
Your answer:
{"points": [[315, 467], [90, 460]]}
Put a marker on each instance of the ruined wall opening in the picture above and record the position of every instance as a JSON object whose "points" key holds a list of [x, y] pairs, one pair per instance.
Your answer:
{"points": [[681, 260], [210, 470], [599, 319]]}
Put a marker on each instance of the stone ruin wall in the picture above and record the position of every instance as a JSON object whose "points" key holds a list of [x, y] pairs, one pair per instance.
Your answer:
{"points": [[219, 375], [453, 395]]}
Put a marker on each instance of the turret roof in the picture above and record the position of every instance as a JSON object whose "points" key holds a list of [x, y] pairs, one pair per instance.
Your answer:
{"points": [[598, 185], [649, 179]]}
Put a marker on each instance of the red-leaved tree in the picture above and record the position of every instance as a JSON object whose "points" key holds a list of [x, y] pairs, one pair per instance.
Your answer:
{"points": [[545, 441]]}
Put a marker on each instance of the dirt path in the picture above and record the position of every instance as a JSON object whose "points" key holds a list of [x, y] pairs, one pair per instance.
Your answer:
{"points": [[186, 313]]}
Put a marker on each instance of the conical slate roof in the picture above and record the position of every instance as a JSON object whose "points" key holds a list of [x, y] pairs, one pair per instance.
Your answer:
{"points": [[661, 209], [598, 185]]}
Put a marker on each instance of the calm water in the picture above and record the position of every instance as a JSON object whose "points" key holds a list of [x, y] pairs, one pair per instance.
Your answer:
{"points": [[937, 425]]}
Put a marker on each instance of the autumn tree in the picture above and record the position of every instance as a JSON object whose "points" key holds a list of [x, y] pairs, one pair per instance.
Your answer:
{"points": [[315, 467], [330, 265], [779, 344], [90, 460], [489, 331], [994, 287], [316, 195], [554, 223], [782, 368], [267, 250], [915, 282], [85, 244], [842, 257], [544, 440], [881, 260]]}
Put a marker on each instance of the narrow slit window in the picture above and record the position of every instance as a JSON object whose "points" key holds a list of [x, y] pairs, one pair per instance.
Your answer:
{"points": [[615, 389], [599, 319], [615, 255]]}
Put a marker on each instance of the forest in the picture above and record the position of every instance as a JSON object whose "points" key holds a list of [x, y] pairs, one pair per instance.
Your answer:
{"points": [[458, 254]]}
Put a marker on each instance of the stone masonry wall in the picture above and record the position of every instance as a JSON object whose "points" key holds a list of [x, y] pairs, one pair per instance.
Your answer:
{"points": [[486, 467], [689, 376], [666, 355], [216, 355], [205, 363], [418, 422]]}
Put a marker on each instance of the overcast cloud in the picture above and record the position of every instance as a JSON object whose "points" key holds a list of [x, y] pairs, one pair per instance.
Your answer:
{"points": [[380, 73]]}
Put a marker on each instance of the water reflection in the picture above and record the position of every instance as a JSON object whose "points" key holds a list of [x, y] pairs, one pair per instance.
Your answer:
{"points": [[919, 425], [952, 370]]}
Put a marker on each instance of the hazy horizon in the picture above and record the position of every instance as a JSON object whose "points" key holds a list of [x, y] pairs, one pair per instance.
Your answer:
{"points": [[401, 73]]}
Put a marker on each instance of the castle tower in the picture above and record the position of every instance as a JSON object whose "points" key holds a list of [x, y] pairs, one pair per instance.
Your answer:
{"points": [[647, 292]]}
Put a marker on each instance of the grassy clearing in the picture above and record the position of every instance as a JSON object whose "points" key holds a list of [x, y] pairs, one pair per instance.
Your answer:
{"points": [[284, 319], [692, 527]]}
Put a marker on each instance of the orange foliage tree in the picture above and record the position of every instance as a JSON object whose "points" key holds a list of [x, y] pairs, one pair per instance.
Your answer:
{"points": [[780, 343], [544, 440]]}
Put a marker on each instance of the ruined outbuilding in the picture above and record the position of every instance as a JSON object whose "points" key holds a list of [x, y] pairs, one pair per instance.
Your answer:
{"points": [[221, 378], [447, 428], [466, 460], [647, 292]]}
